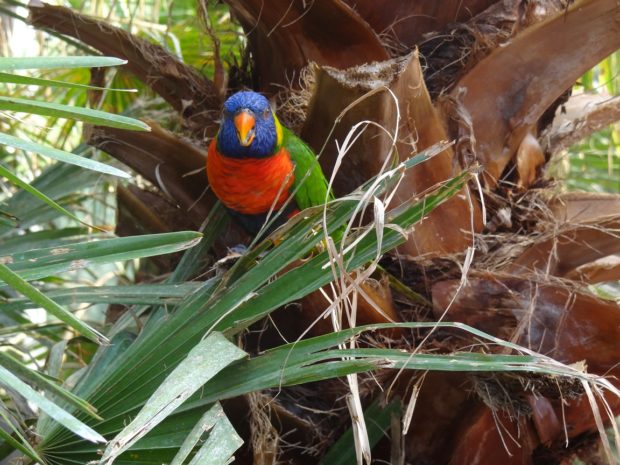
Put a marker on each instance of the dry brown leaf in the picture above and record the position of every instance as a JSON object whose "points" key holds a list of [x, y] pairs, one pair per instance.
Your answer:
{"points": [[507, 92], [606, 269], [376, 92], [570, 246], [581, 207], [314, 304]]}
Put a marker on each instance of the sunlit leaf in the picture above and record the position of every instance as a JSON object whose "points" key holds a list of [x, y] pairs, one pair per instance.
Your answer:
{"points": [[58, 110], [203, 362], [60, 155], [137, 294], [41, 382], [9, 380], [221, 444], [31, 81], [38, 194], [13, 63], [36, 264], [23, 287]]}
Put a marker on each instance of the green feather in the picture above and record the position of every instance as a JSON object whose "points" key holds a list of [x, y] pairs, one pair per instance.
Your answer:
{"points": [[310, 185]]}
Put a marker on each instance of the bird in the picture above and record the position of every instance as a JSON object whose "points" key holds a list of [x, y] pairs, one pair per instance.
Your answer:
{"points": [[255, 165]]}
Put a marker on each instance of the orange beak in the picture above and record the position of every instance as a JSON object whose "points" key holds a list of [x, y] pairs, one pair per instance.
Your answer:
{"points": [[244, 122]]}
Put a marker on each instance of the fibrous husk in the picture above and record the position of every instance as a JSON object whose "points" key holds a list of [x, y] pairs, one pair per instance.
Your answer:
{"points": [[552, 318], [285, 35], [546, 317], [452, 51], [403, 24], [265, 437], [263, 418]]}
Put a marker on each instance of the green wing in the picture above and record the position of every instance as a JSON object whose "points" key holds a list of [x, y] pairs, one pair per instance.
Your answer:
{"points": [[310, 184]]}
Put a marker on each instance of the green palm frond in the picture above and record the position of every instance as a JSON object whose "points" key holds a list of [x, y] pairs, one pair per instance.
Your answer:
{"points": [[33, 196]]}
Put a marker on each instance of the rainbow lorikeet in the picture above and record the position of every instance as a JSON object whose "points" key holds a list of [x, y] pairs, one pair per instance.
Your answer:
{"points": [[255, 164]]}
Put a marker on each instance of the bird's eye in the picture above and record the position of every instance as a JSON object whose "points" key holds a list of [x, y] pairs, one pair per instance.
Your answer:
{"points": [[226, 114], [266, 114]]}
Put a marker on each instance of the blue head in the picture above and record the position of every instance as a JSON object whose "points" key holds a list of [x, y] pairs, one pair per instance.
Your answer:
{"points": [[248, 128]]}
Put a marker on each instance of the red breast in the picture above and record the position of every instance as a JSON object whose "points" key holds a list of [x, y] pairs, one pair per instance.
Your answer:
{"points": [[250, 185]]}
